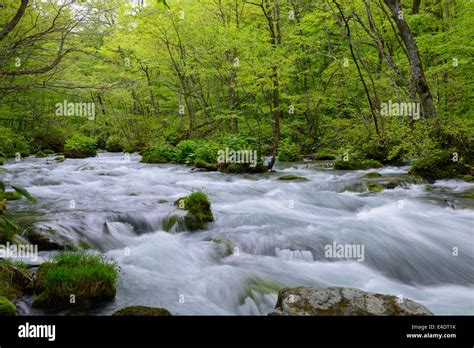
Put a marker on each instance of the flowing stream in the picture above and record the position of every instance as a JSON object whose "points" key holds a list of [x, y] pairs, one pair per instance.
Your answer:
{"points": [[276, 232]]}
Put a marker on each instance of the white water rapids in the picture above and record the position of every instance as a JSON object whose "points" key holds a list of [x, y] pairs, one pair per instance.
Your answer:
{"points": [[280, 229]]}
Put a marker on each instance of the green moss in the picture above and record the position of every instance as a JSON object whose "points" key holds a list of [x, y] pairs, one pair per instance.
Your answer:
{"points": [[356, 164], [292, 177], [469, 178], [15, 280], [114, 144], [440, 166], [169, 221], [372, 175], [428, 187], [199, 210], [199, 163], [2, 161], [84, 245], [229, 247], [324, 155], [374, 187], [48, 152], [40, 154], [10, 196], [142, 311], [59, 158], [7, 308], [87, 279]]}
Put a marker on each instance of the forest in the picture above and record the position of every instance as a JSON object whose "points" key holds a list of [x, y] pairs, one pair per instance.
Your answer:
{"points": [[304, 123]]}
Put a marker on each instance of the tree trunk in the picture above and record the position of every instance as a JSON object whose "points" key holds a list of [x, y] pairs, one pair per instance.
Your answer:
{"points": [[418, 80], [416, 6]]}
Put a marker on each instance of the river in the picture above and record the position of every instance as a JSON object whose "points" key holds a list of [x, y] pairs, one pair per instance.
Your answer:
{"points": [[277, 231]]}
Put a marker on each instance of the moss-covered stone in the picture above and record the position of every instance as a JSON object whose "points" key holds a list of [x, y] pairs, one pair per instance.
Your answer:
{"points": [[199, 210], [169, 222], [428, 187], [59, 158], [142, 311], [324, 155], [372, 175], [227, 244], [469, 178], [374, 187], [440, 167], [15, 280], [40, 154], [74, 280], [7, 308], [291, 177], [46, 239], [242, 168], [10, 196], [356, 164], [48, 152], [2, 161], [210, 167]]}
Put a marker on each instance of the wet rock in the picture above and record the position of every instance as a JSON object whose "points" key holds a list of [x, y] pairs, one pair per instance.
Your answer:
{"points": [[291, 177], [47, 239], [142, 311], [339, 301]]}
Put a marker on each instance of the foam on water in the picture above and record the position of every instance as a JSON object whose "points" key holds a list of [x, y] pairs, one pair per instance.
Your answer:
{"points": [[278, 232]]}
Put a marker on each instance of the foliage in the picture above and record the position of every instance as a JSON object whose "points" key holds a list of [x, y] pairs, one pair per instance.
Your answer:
{"points": [[89, 277], [80, 146]]}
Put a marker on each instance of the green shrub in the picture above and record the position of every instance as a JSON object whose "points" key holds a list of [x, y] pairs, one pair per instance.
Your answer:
{"points": [[11, 144], [161, 152], [206, 151], [289, 152], [80, 146], [89, 278], [114, 144], [185, 151]]}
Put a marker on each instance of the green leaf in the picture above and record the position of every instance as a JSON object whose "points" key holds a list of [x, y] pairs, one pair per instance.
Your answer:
{"points": [[24, 193]]}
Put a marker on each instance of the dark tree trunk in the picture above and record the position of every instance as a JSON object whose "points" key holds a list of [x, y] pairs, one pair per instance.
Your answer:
{"points": [[418, 80]]}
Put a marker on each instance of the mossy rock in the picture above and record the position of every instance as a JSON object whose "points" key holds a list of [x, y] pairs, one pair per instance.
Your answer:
{"points": [[142, 311], [2, 161], [7, 308], [10, 196], [374, 187], [468, 178], [169, 222], [357, 164], [372, 175], [59, 158], [324, 155], [15, 280], [40, 154], [210, 167], [199, 210], [229, 247], [84, 245], [291, 177], [242, 168], [74, 280], [48, 152], [428, 188], [440, 167], [153, 157], [46, 239]]}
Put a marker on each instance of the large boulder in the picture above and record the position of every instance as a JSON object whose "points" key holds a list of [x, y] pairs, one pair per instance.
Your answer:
{"points": [[46, 239], [337, 301]]}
